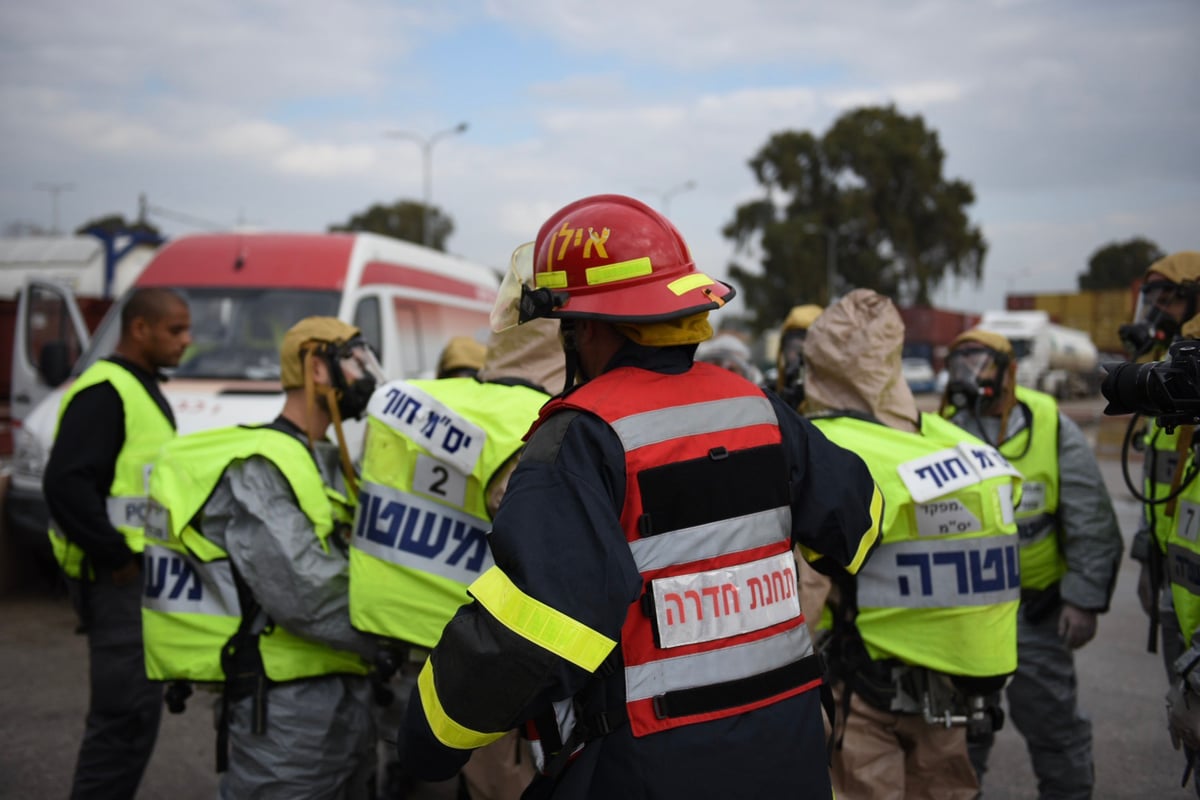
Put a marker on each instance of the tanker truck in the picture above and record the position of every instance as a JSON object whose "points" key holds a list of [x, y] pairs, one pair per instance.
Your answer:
{"points": [[1052, 358]]}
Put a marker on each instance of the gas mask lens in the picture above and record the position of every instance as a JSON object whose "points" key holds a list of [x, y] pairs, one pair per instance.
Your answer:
{"points": [[972, 374], [1162, 306], [506, 311]]}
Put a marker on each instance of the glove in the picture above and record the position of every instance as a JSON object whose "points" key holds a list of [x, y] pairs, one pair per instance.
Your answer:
{"points": [[1183, 717], [1076, 627]]}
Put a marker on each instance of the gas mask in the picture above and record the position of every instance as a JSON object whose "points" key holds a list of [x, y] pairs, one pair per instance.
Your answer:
{"points": [[1163, 307], [354, 372], [975, 378]]}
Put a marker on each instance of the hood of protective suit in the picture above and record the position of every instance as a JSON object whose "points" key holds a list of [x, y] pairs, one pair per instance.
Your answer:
{"points": [[531, 352], [853, 354], [1178, 267]]}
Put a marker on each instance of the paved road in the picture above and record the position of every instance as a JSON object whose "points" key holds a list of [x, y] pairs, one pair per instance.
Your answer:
{"points": [[43, 696]]}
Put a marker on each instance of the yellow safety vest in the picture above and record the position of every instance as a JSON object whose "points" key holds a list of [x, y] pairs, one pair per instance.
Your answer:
{"points": [[190, 605], [420, 537], [942, 590], [146, 429], [1042, 560], [1162, 458]]}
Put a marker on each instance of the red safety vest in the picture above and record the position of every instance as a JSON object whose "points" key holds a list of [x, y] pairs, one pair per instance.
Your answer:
{"points": [[718, 630]]}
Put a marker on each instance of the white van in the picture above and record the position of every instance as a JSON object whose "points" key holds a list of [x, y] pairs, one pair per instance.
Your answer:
{"points": [[244, 291]]}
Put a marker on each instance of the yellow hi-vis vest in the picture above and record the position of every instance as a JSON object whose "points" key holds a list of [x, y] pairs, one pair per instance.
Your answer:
{"points": [[190, 605], [1182, 548], [1042, 560], [1162, 458], [942, 590], [420, 537], [146, 429]]}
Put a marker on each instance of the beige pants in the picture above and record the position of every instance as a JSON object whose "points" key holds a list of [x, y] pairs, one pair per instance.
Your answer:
{"points": [[887, 756], [500, 771]]}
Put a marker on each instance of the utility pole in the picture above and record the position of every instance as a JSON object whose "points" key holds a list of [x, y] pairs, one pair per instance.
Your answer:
{"points": [[426, 144], [54, 189]]}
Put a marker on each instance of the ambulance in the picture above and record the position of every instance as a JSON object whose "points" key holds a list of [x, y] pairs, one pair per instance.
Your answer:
{"points": [[244, 290]]}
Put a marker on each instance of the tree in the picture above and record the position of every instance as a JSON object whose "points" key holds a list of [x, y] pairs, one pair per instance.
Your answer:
{"points": [[115, 225], [1119, 264], [402, 219], [868, 198]]}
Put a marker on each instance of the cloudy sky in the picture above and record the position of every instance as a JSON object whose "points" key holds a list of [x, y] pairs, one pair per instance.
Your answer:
{"points": [[1077, 122]]}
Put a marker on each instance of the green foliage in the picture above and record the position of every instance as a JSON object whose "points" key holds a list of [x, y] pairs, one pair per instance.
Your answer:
{"points": [[402, 219], [116, 224], [1119, 264], [868, 196]]}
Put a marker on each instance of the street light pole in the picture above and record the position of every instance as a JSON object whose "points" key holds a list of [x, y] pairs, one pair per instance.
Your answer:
{"points": [[55, 189], [426, 144]]}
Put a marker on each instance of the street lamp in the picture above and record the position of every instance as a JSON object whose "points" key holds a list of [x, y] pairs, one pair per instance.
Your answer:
{"points": [[830, 257], [665, 197], [426, 144], [55, 189]]}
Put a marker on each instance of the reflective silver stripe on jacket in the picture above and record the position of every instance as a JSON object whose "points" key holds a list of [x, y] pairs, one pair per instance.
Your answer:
{"points": [[717, 666], [652, 427], [711, 539], [127, 512], [942, 573], [177, 583], [1033, 529], [414, 532]]}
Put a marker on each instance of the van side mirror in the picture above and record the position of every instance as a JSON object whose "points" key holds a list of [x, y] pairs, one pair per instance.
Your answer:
{"points": [[54, 363]]}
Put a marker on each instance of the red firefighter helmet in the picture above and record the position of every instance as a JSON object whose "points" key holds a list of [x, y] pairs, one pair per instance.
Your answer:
{"points": [[609, 257]]}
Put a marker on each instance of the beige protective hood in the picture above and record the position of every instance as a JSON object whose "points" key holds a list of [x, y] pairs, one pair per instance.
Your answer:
{"points": [[852, 354], [531, 352]]}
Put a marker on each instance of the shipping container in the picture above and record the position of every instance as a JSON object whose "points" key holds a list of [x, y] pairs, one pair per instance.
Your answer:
{"points": [[1100, 313], [928, 331]]}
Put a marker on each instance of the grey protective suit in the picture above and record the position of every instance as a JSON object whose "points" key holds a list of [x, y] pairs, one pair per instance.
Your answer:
{"points": [[1042, 696], [320, 736]]}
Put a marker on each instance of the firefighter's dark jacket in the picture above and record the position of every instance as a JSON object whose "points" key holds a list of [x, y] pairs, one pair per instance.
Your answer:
{"points": [[558, 538]]}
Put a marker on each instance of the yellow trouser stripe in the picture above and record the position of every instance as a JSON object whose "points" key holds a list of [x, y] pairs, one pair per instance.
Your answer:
{"points": [[539, 623], [447, 731]]}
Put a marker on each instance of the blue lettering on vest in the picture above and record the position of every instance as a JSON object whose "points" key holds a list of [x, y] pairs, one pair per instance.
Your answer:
{"points": [[159, 569], [975, 571], [420, 531]]}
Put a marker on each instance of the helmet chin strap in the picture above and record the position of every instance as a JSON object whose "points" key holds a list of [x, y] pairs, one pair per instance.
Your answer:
{"points": [[571, 350], [329, 398]]}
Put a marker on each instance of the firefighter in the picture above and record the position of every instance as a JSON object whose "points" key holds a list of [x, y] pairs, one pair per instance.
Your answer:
{"points": [[789, 380], [923, 635], [1070, 550], [442, 451], [1167, 302], [249, 525], [111, 422], [641, 616]]}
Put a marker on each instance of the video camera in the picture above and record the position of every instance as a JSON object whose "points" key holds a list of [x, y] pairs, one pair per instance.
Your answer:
{"points": [[1168, 390]]}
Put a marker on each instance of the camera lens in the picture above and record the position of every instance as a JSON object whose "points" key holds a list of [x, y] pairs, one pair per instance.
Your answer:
{"points": [[1124, 388]]}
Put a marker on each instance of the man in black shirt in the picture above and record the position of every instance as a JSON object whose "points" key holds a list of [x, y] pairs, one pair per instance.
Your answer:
{"points": [[111, 423]]}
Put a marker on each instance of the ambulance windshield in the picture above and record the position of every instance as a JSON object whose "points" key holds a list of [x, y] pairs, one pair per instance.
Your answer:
{"points": [[235, 332]]}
